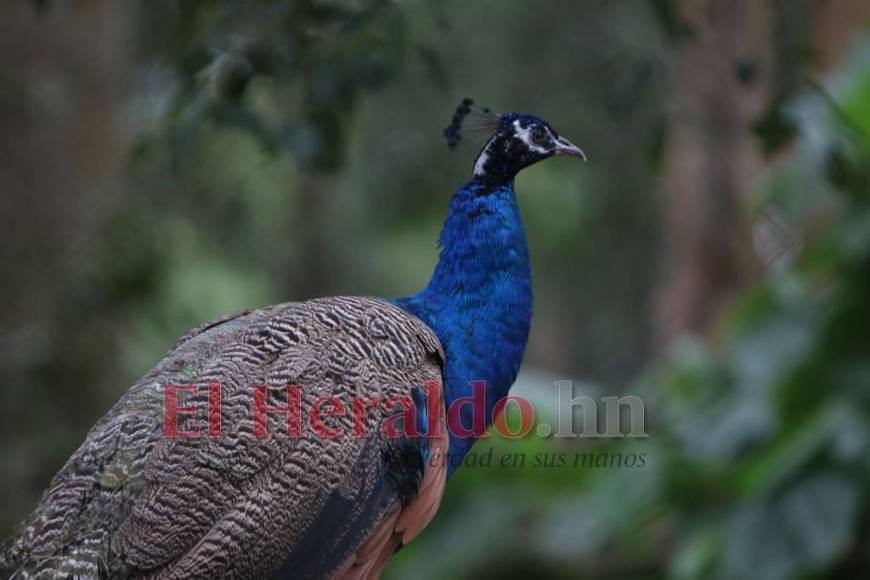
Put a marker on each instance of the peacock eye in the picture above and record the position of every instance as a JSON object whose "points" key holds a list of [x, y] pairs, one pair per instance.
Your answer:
{"points": [[538, 135]]}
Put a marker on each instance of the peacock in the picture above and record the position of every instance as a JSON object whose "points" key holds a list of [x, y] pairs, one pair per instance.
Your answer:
{"points": [[329, 491]]}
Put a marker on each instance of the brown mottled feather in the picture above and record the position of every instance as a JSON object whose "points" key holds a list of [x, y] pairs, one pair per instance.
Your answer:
{"points": [[132, 503]]}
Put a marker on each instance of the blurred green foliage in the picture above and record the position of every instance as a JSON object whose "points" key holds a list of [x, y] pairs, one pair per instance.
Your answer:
{"points": [[261, 168]]}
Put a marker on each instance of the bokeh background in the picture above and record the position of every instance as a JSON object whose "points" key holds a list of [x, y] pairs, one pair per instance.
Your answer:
{"points": [[165, 162]]}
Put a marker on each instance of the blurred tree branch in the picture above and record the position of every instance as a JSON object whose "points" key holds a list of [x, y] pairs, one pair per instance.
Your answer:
{"points": [[61, 79], [723, 80], [738, 65]]}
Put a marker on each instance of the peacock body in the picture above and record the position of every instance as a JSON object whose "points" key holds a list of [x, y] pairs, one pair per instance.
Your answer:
{"points": [[133, 502]]}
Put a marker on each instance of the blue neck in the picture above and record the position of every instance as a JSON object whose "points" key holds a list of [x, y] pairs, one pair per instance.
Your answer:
{"points": [[479, 301]]}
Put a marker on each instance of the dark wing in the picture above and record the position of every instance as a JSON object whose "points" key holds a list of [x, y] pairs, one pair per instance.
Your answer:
{"points": [[132, 502]]}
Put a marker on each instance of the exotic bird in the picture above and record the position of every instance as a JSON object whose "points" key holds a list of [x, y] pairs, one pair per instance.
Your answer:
{"points": [[337, 496]]}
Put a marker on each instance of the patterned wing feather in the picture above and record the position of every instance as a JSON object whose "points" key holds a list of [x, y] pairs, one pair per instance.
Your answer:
{"points": [[132, 502]]}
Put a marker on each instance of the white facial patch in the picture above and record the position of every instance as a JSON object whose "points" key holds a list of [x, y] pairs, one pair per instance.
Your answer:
{"points": [[524, 134], [480, 165]]}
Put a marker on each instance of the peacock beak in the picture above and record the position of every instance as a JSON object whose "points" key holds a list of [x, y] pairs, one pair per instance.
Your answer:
{"points": [[565, 147]]}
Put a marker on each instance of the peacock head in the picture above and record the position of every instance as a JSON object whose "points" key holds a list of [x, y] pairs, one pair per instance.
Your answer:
{"points": [[514, 141]]}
